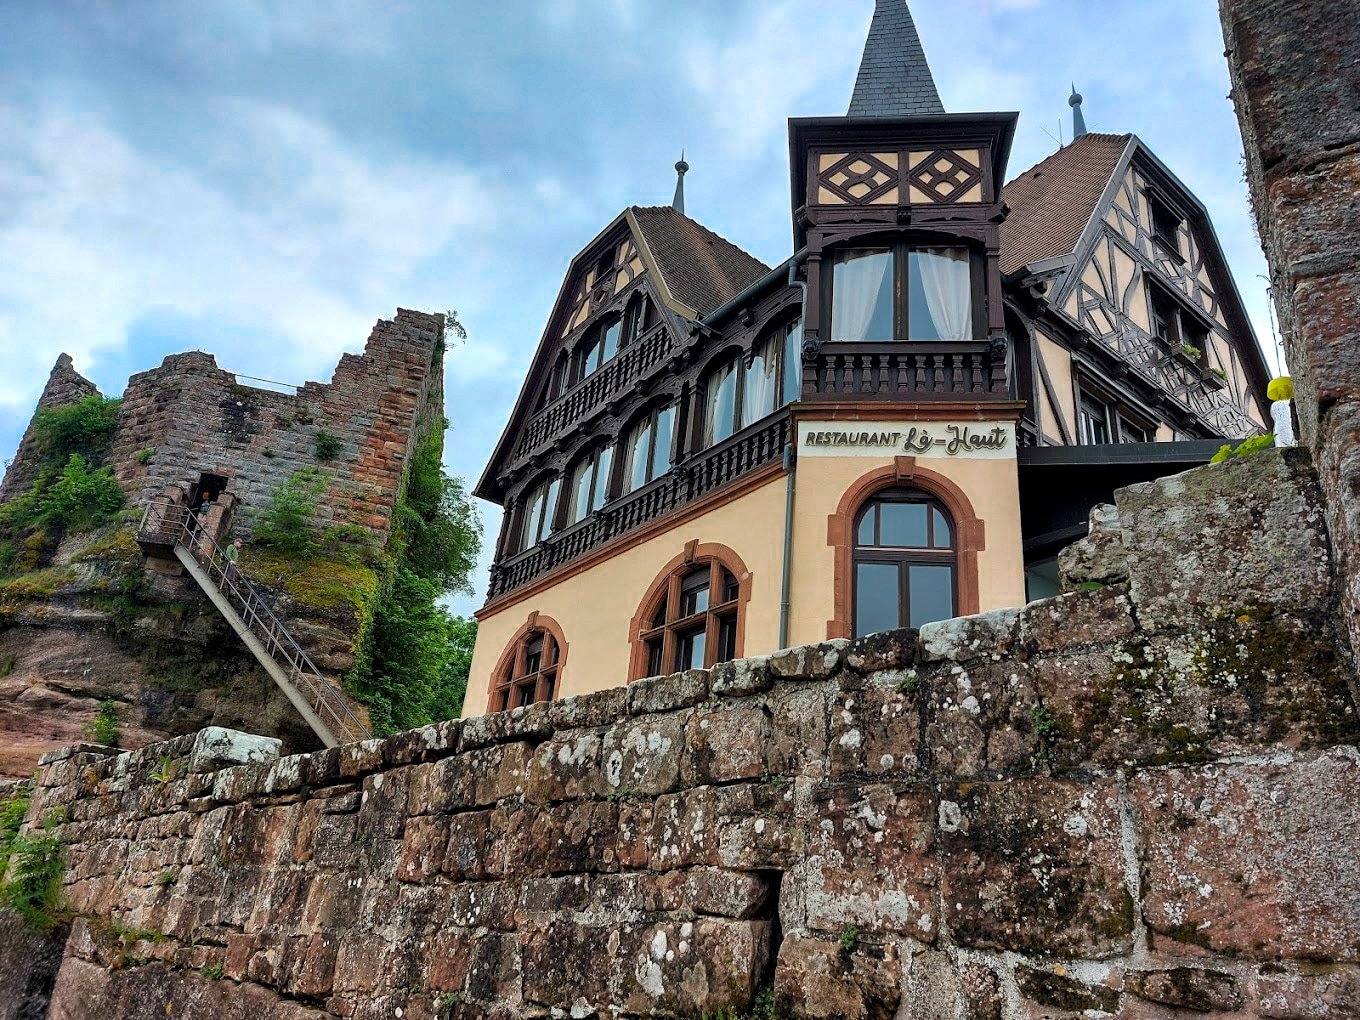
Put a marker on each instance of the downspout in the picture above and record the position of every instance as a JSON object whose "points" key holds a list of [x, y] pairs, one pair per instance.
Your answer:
{"points": [[789, 486]]}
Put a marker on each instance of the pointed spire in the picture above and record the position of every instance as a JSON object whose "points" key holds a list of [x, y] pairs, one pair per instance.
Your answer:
{"points": [[681, 168], [894, 78], [1078, 121]]}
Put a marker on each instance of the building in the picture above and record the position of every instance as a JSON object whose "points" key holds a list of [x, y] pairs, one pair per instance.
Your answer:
{"points": [[902, 422]]}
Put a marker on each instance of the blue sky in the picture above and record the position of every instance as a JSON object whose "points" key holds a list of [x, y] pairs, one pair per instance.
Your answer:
{"points": [[265, 180]]}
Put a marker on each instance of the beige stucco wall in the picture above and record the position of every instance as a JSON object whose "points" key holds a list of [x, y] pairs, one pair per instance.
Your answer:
{"points": [[595, 607]]}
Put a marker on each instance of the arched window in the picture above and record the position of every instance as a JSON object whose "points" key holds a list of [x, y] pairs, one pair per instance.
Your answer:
{"points": [[600, 344], [647, 448], [741, 391], [530, 667], [905, 563], [637, 320], [589, 479], [539, 510], [693, 615]]}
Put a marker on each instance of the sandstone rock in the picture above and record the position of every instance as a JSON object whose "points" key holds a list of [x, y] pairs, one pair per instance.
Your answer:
{"points": [[1099, 558], [741, 677], [1051, 988], [1187, 988], [875, 728], [820, 978], [666, 693], [986, 635], [890, 649], [1243, 858], [1076, 619], [809, 662], [1323, 993], [215, 748]]}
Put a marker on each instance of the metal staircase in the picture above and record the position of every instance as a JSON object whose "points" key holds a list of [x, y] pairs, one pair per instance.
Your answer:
{"points": [[172, 526]]}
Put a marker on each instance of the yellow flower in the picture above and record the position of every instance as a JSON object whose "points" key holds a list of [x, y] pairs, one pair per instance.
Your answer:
{"points": [[1281, 388]]}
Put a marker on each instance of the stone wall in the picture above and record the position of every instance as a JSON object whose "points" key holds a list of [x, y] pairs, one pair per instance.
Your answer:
{"points": [[1134, 800], [1296, 85], [195, 417]]}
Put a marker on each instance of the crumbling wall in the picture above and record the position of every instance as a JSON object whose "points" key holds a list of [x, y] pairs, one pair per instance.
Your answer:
{"points": [[191, 417], [1129, 800], [1296, 85], [64, 386]]}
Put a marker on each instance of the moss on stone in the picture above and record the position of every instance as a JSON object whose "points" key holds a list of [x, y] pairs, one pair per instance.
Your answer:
{"points": [[37, 584], [317, 582]]}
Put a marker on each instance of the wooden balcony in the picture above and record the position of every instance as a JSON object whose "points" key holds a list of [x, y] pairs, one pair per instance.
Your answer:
{"points": [[919, 370], [707, 471]]}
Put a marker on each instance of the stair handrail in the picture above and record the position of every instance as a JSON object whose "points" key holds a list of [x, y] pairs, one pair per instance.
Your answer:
{"points": [[180, 524]]}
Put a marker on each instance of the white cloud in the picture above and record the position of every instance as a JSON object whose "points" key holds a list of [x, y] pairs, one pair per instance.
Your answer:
{"points": [[95, 234]]}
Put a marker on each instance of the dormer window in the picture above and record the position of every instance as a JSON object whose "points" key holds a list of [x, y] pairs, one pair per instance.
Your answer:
{"points": [[1166, 224], [600, 344], [902, 293]]}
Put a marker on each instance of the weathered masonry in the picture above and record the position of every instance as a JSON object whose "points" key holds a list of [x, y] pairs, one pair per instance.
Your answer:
{"points": [[1130, 801], [902, 422]]}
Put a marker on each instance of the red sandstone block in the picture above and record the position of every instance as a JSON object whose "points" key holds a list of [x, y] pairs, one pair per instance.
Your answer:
{"points": [[1250, 859], [821, 979]]}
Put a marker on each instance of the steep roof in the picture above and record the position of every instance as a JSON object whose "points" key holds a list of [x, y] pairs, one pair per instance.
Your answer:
{"points": [[699, 268], [894, 78], [1052, 201]]}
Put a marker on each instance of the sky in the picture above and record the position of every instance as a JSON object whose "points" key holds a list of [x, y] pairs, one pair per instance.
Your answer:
{"points": [[266, 180]]}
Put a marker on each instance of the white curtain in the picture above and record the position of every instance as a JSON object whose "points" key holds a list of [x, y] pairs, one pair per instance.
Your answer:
{"points": [[945, 281], [758, 396], [855, 288]]}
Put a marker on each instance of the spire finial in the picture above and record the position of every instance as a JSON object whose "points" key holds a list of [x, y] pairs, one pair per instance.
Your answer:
{"points": [[681, 168], [1078, 121], [894, 77]]}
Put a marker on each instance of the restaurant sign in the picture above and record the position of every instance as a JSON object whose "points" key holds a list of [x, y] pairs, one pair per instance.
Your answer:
{"points": [[912, 439]]}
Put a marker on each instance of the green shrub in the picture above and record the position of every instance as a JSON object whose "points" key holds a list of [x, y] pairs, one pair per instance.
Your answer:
{"points": [[30, 866], [12, 814], [81, 498], [1245, 448], [436, 531], [85, 427], [326, 445], [104, 728], [144, 455], [287, 525]]}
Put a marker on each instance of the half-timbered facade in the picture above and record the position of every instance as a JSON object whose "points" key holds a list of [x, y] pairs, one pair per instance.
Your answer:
{"points": [[712, 457]]}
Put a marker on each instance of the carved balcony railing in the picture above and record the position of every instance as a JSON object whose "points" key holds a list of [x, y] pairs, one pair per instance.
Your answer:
{"points": [[920, 370], [595, 390], [753, 447]]}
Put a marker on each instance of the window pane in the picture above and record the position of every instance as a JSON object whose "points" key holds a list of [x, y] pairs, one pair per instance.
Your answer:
{"points": [[550, 505], [793, 363], [661, 453], [903, 524], [654, 664], [694, 594], [721, 403], [943, 536], [591, 360], [533, 518], [939, 295], [636, 454], [866, 526], [876, 598], [581, 477], [727, 639], [691, 650], [1041, 580], [610, 345], [605, 460], [930, 590], [759, 392], [862, 296]]}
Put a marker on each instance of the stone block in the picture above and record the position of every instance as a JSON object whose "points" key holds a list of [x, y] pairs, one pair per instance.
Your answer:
{"points": [[1076, 620], [476, 778], [642, 756], [1322, 992], [668, 693], [1244, 858], [689, 968], [1099, 556], [528, 722], [747, 826], [966, 638], [1058, 989], [566, 767], [875, 728], [724, 743], [809, 662], [1193, 556], [870, 861], [741, 677], [889, 649], [823, 979], [982, 720], [1186, 988], [600, 708], [216, 747], [1035, 866]]}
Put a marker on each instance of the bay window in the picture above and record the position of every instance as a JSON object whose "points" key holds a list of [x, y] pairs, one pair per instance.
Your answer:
{"points": [[540, 506], [741, 391], [902, 293]]}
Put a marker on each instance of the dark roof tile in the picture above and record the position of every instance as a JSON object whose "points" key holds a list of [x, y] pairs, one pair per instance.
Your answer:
{"points": [[1052, 201], [700, 268], [894, 78]]}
